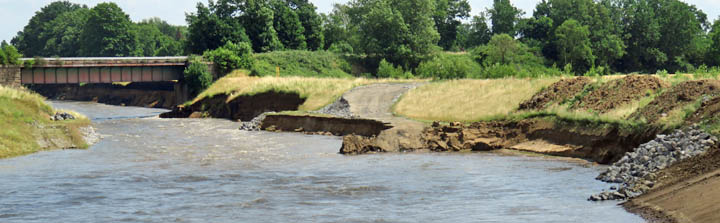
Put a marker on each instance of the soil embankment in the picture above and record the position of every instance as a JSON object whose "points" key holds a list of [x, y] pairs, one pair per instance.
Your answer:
{"points": [[151, 95], [561, 90], [547, 136], [243, 108], [620, 92], [323, 125]]}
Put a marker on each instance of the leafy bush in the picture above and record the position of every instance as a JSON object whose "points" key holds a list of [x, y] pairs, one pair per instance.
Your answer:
{"points": [[3, 58], [231, 57], [11, 55], [197, 77], [446, 66], [341, 48], [387, 70], [301, 63]]}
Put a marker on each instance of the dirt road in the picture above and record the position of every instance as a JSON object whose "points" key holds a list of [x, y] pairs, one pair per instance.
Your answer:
{"points": [[375, 102]]}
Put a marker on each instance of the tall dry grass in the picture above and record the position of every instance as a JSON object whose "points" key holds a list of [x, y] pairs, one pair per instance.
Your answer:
{"points": [[318, 92], [468, 100]]}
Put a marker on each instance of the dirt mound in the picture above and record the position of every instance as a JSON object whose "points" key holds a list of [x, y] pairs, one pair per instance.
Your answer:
{"points": [[708, 109], [560, 90], [620, 92], [679, 96]]}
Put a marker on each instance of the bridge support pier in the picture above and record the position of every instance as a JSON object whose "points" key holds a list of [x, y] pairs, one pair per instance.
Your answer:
{"points": [[181, 92], [10, 76]]}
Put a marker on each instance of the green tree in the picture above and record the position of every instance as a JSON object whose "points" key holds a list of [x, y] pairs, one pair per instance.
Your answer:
{"points": [[311, 22], [231, 57], [10, 54], [152, 42], [504, 16], [504, 49], [401, 31], [479, 32], [31, 40], [207, 30], [713, 54], [108, 32], [197, 77], [177, 33], [448, 14], [338, 28], [62, 34], [258, 21], [573, 42], [287, 24]]}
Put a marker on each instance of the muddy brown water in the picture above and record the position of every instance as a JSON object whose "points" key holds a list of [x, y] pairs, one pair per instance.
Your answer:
{"points": [[148, 169]]}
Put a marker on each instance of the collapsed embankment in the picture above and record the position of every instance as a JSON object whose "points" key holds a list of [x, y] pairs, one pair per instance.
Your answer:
{"points": [[151, 95], [323, 125], [243, 108], [30, 125]]}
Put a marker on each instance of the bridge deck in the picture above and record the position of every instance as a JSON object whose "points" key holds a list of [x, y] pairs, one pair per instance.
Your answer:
{"points": [[103, 70]]}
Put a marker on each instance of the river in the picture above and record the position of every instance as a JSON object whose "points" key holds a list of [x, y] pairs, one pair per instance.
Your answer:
{"points": [[148, 169]]}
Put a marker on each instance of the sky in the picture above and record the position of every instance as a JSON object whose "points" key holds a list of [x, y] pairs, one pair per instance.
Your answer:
{"points": [[17, 13]]}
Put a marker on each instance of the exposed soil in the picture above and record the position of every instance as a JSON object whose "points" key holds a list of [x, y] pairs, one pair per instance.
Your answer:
{"points": [[684, 192], [620, 92], [678, 96], [602, 145], [316, 124], [708, 109], [243, 108], [151, 95], [561, 90]]}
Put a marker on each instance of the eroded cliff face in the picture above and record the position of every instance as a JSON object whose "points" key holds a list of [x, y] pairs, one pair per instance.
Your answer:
{"points": [[602, 145], [151, 95], [243, 108]]}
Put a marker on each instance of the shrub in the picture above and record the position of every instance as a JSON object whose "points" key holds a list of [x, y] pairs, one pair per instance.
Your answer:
{"points": [[30, 63], [12, 57], [449, 67], [231, 57], [40, 61], [197, 77], [341, 48], [3, 58], [301, 63], [387, 70]]}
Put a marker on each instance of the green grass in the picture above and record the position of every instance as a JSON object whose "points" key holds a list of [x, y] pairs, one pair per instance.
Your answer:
{"points": [[24, 117], [302, 64]]}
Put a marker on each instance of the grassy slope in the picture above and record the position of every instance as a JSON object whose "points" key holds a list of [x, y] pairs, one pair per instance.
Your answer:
{"points": [[468, 100], [477, 100], [21, 115], [301, 63], [317, 91]]}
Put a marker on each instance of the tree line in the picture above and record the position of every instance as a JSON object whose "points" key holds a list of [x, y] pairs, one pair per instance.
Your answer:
{"points": [[73, 30], [578, 36]]}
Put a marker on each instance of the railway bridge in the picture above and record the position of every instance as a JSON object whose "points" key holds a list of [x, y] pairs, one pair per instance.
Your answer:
{"points": [[98, 70]]}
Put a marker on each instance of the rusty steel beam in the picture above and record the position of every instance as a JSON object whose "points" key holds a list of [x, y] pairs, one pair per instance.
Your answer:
{"points": [[74, 75]]}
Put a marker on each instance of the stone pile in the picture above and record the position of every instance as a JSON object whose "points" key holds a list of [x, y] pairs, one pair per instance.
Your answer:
{"points": [[254, 124], [340, 108], [62, 116], [635, 172]]}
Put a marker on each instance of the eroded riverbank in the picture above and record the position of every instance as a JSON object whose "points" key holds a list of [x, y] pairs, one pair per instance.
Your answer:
{"points": [[199, 170]]}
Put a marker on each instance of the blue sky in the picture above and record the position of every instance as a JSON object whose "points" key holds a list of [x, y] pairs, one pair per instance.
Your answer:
{"points": [[16, 13]]}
